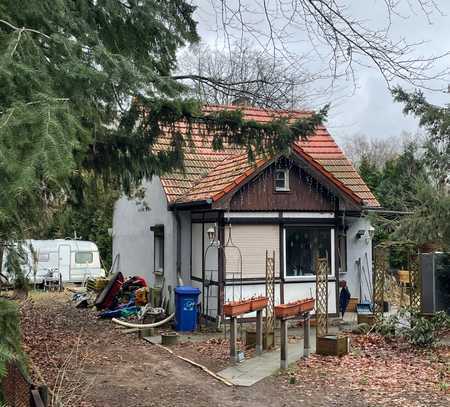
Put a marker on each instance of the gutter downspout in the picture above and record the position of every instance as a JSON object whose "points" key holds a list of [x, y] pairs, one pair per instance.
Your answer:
{"points": [[178, 265]]}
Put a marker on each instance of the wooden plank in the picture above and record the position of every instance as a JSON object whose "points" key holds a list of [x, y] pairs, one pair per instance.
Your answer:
{"points": [[284, 344], [36, 397], [204, 368], [306, 336], [259, 332], [305, 194], [233, 338]]}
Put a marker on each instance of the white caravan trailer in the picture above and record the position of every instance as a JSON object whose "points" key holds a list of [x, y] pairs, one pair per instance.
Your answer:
{"points": [[73, 260]]}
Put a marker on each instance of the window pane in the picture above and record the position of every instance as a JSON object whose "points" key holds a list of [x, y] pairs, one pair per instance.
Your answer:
{"points": [[281, 180], [84, 257], [279, 183], [159, 253], [303, 246], [342, 252], [279, 175]]}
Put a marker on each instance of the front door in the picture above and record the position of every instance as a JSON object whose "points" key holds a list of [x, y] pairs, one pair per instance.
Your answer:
{"points": [[64, 262]]}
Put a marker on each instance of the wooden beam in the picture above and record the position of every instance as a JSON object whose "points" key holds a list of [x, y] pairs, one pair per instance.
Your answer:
{"points": [[259, 332], [233, 337], [284, 344]]}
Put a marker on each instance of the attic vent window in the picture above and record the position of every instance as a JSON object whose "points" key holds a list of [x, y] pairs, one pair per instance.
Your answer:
{"points": [[282, 180]]}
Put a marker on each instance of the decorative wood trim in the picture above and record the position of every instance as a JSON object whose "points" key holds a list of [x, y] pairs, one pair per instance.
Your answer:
{"points": [[291, 221], [281, 262], [252, 215], [221, 268], [308, 215], [203, 263], [261, 281]]}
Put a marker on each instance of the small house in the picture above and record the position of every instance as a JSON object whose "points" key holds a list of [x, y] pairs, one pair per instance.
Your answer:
{"points": [[213, 224]]}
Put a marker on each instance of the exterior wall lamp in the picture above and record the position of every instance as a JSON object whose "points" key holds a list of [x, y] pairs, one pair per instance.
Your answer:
{"points": [[367, 234], [212, 236]]}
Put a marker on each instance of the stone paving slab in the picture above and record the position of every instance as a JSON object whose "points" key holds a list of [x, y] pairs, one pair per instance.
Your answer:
{"points": [[251, 371], [153, 339]]}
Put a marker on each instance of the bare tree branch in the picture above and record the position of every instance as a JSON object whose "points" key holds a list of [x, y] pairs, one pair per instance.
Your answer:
{"points": [[23, 29], [334, 33], [217, 77]]}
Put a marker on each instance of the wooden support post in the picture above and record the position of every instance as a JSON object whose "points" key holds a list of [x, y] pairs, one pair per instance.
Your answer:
{"points": [[284, 344], [233, 337], [259, 332], [306, 334]]}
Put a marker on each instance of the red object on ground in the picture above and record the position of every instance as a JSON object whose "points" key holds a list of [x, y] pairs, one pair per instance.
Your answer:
{"points": [[106, 298], [134, 283]]}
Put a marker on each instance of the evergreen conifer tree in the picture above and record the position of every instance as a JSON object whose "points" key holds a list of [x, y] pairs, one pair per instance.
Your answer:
{"points": [[86, 87]]}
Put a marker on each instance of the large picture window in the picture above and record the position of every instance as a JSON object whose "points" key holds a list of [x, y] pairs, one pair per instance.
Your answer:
{"points": [[303, 245]]}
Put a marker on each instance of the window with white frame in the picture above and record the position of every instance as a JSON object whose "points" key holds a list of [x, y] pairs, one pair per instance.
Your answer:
{"points": [[158, 248], [282, 179], [303, 246]]}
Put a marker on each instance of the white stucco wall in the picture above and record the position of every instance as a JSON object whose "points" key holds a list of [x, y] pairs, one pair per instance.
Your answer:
{"points": [[185, 219], [134, 241], [358, 249]]}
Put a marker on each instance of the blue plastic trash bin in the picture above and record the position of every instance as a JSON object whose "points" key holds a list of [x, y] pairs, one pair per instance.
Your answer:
{"points": [[186, 300]]}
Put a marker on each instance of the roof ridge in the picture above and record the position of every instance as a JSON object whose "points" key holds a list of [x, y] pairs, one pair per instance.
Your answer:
{"points": [[256, 108]]}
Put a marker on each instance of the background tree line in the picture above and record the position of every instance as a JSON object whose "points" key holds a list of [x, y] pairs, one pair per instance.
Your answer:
{"points": [[88, 86], [410, 175]]}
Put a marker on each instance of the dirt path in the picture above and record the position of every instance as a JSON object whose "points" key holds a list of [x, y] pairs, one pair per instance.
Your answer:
{"points": [[90, 363]]}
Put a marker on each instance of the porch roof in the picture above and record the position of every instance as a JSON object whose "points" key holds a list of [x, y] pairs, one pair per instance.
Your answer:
{"points": [[210, 174]]}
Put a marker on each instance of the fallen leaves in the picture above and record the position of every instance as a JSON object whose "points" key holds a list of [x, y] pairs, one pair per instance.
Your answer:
{"points": [[385, 373], [213, 352]]}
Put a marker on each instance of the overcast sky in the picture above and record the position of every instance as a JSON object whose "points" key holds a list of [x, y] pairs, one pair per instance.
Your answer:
{"points": [[369, 108]]}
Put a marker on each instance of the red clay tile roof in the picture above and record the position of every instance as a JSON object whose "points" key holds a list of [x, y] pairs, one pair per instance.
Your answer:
{"points": [[210, 174]]}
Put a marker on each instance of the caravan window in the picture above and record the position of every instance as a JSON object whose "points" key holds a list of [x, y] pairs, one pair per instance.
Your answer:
{"points": [[43, 257], [84, 257]]}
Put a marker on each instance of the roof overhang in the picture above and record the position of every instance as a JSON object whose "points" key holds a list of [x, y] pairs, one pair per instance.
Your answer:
{"points": [[325, 177], [203, 204]]}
